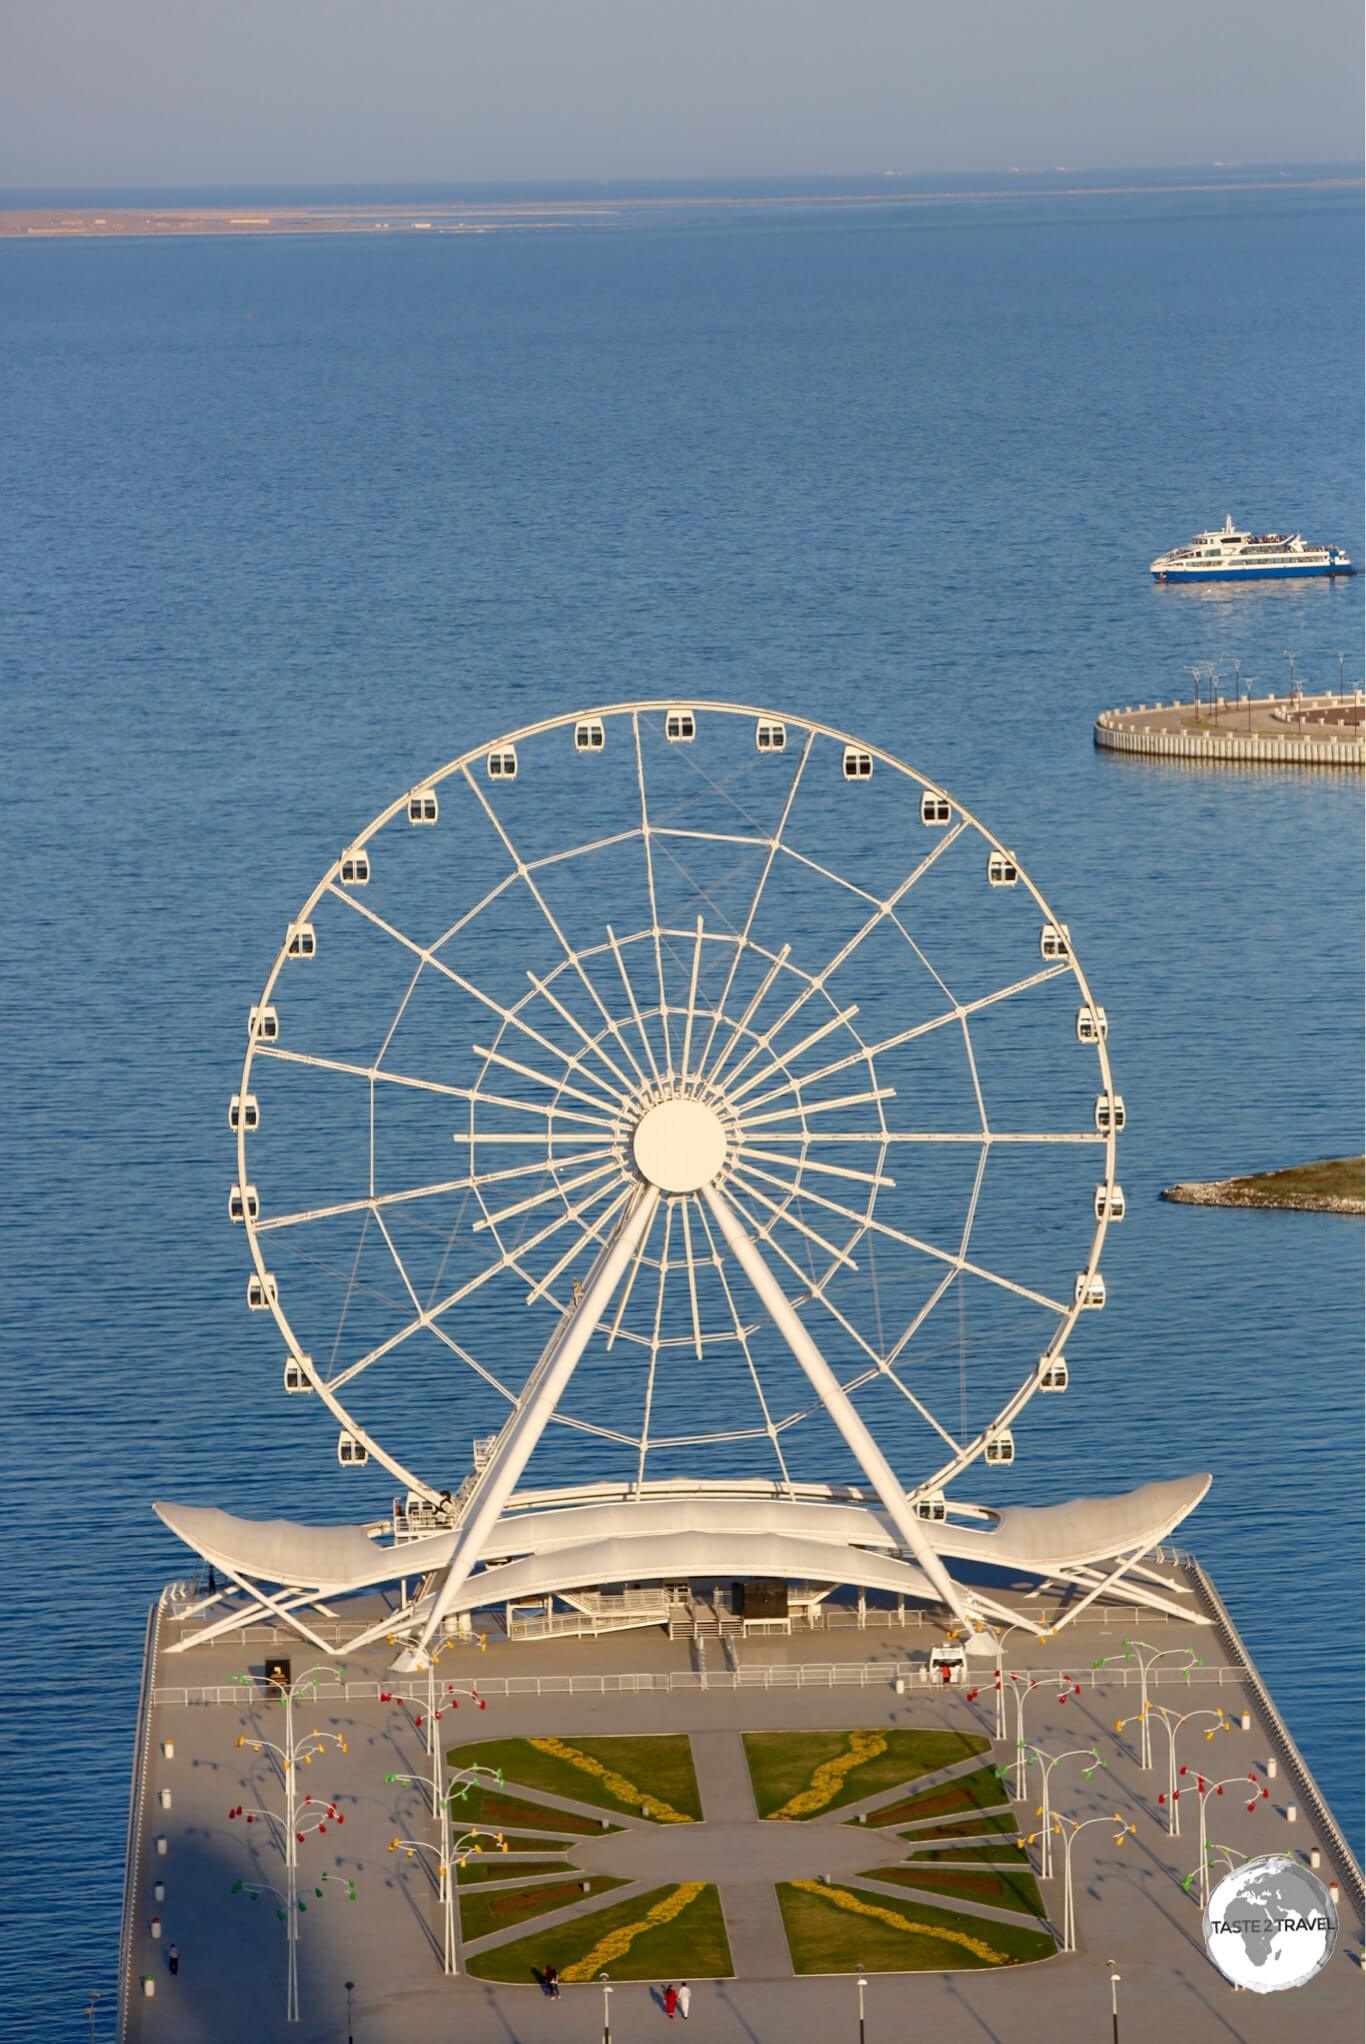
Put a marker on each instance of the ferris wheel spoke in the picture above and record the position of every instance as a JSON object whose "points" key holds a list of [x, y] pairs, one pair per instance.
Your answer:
{"points": [[800, 1112], [957, 1013], [922, 1313], [775, 967], [982, 1135], [838, 1020], [785, 1214], [814, 1164], [816, 983], [267, 1224], [645, 829], [555, 1086], [589, 1042], [541, 1287], [399, 1264], [571, 955], [632, 1273], [773, 844], [811, 1287], [509, 1259], [634, 1005], [536, 1199], [692, 1005]]}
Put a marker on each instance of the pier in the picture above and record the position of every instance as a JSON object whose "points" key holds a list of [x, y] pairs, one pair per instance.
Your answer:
{"points": [[1321, 730]]}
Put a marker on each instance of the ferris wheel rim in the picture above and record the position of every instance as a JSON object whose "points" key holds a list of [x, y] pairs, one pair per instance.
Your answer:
{"points": [[634, 710]]}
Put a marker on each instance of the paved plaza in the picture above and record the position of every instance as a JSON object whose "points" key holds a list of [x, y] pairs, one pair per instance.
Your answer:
{"points": [[1131, 1908]]}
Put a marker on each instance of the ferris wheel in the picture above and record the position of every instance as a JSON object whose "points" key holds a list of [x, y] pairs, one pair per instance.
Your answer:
{"points": [[670, 1088]]}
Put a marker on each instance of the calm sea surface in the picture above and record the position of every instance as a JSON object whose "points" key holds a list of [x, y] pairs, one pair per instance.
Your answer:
{"points": [[284, 525]]}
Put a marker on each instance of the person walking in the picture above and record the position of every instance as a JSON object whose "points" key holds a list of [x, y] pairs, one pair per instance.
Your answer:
{"points": [[552, 1982], [684, 1999], [173, 1959], [670, 2000]]}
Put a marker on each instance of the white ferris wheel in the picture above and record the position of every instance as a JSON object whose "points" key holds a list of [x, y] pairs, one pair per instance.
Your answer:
{"points": [[694, 1098]]}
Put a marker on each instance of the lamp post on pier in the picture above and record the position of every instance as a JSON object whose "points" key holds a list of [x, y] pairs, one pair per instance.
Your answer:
{"points": [[862, 1984], [298, 1750], [1069, 1839], [1147, 1658], [448, 1858], [1172, 1721], [606, 2009], [1203, 1790], [1047, 1762], [1115, 1979]]}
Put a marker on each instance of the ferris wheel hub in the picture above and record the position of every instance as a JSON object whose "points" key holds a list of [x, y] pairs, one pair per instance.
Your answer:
{"points": [[680, 1145]]}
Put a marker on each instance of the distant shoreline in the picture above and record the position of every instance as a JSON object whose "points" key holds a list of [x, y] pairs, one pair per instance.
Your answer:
{"points": [[484, 216]]}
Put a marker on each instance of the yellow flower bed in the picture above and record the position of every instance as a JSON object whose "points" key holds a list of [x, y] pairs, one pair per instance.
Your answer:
{"points": [[844, 1900], [828, 1778], [626, 1791], [618, 1943]]}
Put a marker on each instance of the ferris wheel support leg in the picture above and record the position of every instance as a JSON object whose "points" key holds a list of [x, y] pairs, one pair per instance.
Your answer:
{"points": [[837, 1402], [499, 1477]]}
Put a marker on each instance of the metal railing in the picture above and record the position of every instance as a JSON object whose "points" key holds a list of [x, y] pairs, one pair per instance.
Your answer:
{"points": [[685, 1681], [1339, 1850], [132, 1863]]}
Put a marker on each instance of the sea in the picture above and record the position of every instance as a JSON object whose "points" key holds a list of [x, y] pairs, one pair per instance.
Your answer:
{"points": [[288, 522]]}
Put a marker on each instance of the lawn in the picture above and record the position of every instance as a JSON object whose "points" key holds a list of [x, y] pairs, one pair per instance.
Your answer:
{"points": [[497, 1811], [1004, 1890], [657, 1765], [691, 1947], [825, 1936], [493, 1867], [980, 1790], [986, 1825], [482, 1914], [996, 1850], [782, 1764]]}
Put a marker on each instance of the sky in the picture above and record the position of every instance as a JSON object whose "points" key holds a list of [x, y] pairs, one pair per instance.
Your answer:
{"points": [[202, 92]]}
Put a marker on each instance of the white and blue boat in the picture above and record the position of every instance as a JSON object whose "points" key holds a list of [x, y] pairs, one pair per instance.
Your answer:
{"points": [[1233, 556]]}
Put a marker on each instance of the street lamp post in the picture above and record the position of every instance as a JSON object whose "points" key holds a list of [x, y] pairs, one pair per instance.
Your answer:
{"points": [[350, 1990], [1069, 1839], [1203, 1790], [298, 1750], [428, 1721], [90, 2011], [1047, 1762], [1147, 1658], [1172, 1722], [1115, 1979], [606, 2009], [448, 1858], [289, 1908], [999, 1638], [862, 1984]]}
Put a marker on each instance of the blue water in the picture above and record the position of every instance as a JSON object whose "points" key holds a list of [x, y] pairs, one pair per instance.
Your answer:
{"points": [[283, 525]]}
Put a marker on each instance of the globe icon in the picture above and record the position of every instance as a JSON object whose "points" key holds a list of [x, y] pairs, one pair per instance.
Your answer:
{"points": [[1270, 1924]]}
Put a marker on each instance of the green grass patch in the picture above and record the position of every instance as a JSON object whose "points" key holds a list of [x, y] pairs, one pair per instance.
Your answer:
{"points": [[481, 1915], [782, 1764], [498, 1811], [825, 1937], [692, 1947], [655, 1764], [970, 1793], [493, 1867], [988, 1824], [1008, 1890], [1003, 1850]]}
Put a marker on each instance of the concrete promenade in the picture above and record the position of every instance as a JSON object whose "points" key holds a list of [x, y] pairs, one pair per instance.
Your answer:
{"points": [[1320, 730], [1130, 1904]]}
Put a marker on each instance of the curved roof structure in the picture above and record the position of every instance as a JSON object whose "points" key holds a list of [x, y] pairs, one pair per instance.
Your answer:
{"points": [[653, 1538]]}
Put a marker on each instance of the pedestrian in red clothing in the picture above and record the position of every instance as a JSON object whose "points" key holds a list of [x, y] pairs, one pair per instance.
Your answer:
{"points": [[670, 2000]]}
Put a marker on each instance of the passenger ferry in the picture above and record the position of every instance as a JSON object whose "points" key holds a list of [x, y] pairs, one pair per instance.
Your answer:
{"points": [[1233, 556]]}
